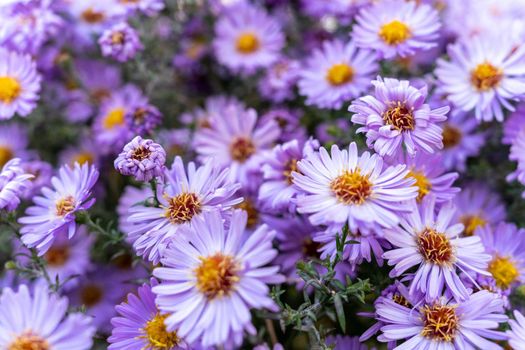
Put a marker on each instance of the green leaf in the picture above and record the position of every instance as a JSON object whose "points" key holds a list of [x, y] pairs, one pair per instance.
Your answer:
{"points": [[340, 311]]}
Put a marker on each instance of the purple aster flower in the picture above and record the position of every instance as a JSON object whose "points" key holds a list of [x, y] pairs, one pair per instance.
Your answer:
{"points": [[460, 140], [110, 128], [340, 342], [343, 187], [84, 153], [444, 324], [429, 241], [336, 73], [477, 206], [67, 259], [54, 212], [430, 176], [13, 143], [289, 121], [277, 190], [396, 28], [506, 245], [344, 10], [42, 173], [184, 197], [278, 82], [397, 115], [213, 106], [514, 125], [19, 84], [213, 269], [143, 118], [516, 334], [147, 7], [38, 320], [140, 325], [236, 140], [92, 17], [483, 75], [13, 182], [130, 197], [247, 38], [120, 42], [141, 158]]}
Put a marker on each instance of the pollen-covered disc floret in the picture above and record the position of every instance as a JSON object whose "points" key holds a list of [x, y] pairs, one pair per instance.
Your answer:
{"points": [[213, 268]]}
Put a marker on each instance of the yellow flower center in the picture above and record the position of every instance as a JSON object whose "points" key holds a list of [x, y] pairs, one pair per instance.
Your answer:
{"points": [[400, 117], [117, 38], [339, 74], [217, 275], [91, 294], [451, 136], [485, 76], [182, 208], [6, 154], [351, 187], [290, 167], [423, 184], [140, 153], [83, 157], [29, 341], [401, 300], [10, 89], [91, 16], [395, 32], [241, 149], [65, 206], [504, 271], [114, 118], [157, 335], [435, 247], [472, 222], [57, 256], [247, 43], [440, 322], [250, 209]]}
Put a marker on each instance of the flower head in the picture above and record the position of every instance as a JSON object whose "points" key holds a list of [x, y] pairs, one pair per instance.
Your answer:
{"points": [[120, 42], [143, 118], [343, 187], [516, 334], [14, 181], [54, 211], [214, 269], [397, 115], [19, 84], [483, 75], [393, 28], [183, 197], [336, 73], [38, 321], [279, 80], [429, 241], [247, 38], [141, 158]]}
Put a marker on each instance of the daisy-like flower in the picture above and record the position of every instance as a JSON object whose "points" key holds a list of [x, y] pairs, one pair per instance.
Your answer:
{"points": [[19, 84], [444, 324], [477, 206], [461, 139], [484, 75], [235, 140], [429, 241], [336, 73], [278, 82], [140, 325], [214, 270], [516, 334], [396, 28], [506, 245], [397, 115], [55, 211], [120, 42], [430, 176], [141, 158], [39, 321], [213, 106], [343, 187], [184, 197], [289, 121], [247, 38], [143, 118], [514, 125], [277, 189], [14, 181], [93, 16], [42, 173]]}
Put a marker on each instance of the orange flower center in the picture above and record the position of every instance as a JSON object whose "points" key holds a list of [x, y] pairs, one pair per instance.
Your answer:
{"points": [[29, 341], [10, 89], [435, 247], [57, 256], [182, 208], [339, 74], [472, 222], [158, 336], [91, 16], [91, 294], [485, 76], [241, 149], [6, 154], [217, 275], [440, 322], [140, 153], [114, 118], [423, 184], [65, 206], [503, 271], [247, 43], [351, 187], [400, 117], [451, 136], [394, 33]]}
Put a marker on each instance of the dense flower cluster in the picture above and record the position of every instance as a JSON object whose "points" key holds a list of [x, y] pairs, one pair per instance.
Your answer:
{"points": [[260, 174]]}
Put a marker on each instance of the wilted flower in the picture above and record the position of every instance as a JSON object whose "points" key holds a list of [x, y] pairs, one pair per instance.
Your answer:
{"points": [[141, 158], [120, 42]]}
